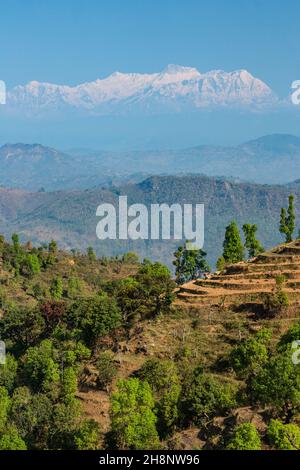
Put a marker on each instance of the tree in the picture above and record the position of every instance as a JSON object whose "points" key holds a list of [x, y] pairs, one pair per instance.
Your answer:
{"points": [[287, 220], [189, 264], [56, 288], [52, 247], [31, 265], [245, 437], [277, 300], [107, 370], [40, 369], [204, 397], [132, 416], [233, 250], [8, 372], [164, 380], [22, 326], [156, 288], [286, 340], [277, 384], [253, 246], [95, 317], [283, 436], [87, 436], [16, 242], [4, 407], [32, 415], [10, 440], [251, 354], [91, 254], [69, 385]]}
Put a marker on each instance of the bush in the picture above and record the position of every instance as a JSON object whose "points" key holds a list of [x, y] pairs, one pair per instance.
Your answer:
{"points": [[245, 437], [251, 354], [284, 436], [106, 368], [87, 436], [10, 440], [204, 397], [132, 416]]}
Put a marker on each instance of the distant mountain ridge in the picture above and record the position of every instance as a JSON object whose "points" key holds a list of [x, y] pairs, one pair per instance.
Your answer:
{"points": [[175, 89], [70, 216], [272, 159]]}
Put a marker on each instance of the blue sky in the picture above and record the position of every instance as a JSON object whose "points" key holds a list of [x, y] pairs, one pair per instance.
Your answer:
{"points": [[72, 41]]}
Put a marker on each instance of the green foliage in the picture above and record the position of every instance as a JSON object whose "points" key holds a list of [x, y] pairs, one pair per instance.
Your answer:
{"points": [[162, 375], [287, 220], [221, 263], [277, 384], [107, 370], [233, 250], [40, 369], [31, 265], [91, 254], [95, 317], [4, 407], [21, 326], [251, 354], [204, 397], [52, 246], [277, 300], [87, 436], [8, 372], [10, 440], [130, 258], [159, 373], [56, 288], [245, 437], [283, 436], [286, 340], [69, 384], [132, 416], [253, 246], [156, 289], [189, 264], [74, 287]]}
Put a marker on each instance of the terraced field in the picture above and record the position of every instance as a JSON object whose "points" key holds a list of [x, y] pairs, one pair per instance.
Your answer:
{"points": [[249, 280]]}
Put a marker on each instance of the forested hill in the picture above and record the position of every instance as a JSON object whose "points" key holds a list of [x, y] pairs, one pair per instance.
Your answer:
{"points": [[70, 216]]}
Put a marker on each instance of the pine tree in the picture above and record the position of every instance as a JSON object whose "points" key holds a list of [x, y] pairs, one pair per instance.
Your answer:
{"points": [[233, 245], [290, 221], [287, 220], [253, 246]]}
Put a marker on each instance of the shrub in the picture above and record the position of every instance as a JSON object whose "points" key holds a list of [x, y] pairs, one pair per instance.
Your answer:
{"points": [[106, 368], [283, 436], [245, 437]]}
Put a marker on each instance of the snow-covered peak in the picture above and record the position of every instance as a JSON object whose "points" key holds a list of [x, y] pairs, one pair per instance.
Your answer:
{"points": [[176, 87]]}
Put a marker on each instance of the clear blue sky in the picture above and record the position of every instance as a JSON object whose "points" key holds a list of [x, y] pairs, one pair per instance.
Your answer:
{"points": [[72, 41]]}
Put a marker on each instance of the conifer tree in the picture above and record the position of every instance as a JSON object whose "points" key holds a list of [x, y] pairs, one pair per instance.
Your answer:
{"points": [[253, 245], [233, 245]]}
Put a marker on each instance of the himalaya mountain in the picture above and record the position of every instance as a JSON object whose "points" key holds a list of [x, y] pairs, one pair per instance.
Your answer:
{"points": [[174, 89], [272, 159]]}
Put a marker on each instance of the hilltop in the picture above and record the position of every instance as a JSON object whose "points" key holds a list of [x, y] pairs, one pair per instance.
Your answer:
{"points": [[249, 281]]}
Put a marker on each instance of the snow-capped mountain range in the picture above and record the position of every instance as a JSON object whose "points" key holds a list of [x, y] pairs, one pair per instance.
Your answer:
{"points": [[176, 88]]}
